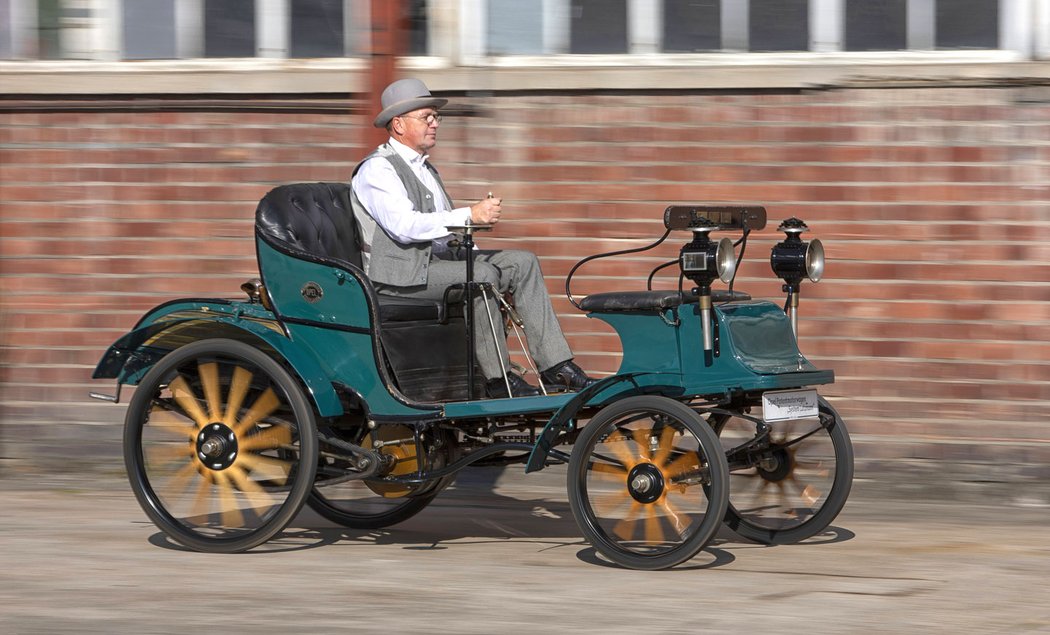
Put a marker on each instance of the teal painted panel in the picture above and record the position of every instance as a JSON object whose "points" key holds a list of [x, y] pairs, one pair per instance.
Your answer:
{"points": [[756, 351], [650, 344], [348, 358], [312, 291], [761, 337]]}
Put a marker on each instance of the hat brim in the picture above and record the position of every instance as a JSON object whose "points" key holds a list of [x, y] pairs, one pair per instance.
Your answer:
{"points": [[408, 105]]}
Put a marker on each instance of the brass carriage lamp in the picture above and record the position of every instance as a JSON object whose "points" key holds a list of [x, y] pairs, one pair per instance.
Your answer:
{"points": [[794, 259], [702, 261]]}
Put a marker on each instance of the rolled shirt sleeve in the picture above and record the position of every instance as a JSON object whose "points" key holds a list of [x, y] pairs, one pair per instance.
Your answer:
{"points": [[380, 190]]}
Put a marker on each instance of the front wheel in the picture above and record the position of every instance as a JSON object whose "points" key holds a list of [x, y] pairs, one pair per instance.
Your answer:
{"points": [[648, 482], [220, 446], [790, 484]]}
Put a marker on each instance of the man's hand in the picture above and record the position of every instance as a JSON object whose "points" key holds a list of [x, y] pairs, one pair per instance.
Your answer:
{"points": [[486, 211]]}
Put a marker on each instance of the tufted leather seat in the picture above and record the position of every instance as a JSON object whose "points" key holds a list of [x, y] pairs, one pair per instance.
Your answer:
{"points": [[657, 300], [317, 218]]}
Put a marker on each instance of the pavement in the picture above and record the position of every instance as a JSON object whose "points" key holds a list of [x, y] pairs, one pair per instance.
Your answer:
{"points": [[499, 552]]}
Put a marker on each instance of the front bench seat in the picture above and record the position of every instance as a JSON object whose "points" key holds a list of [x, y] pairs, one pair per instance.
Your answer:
{"points": [[317, 218], [653, 300], [423, 339]]}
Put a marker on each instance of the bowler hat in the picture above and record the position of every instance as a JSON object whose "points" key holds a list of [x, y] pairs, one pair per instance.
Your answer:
{"points": [[405, 95]]}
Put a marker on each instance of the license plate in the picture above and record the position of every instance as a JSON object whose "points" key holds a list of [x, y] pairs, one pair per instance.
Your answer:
{"points": [[785, 405]]}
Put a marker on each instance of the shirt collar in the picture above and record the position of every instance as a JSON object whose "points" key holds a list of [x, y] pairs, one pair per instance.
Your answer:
{"points": [[410, 156]]}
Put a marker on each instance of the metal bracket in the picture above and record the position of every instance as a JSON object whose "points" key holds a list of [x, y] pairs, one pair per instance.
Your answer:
{"points": [[104, 397]]}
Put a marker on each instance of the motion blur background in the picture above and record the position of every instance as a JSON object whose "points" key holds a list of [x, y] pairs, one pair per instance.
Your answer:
{"points": [[913, 136]]}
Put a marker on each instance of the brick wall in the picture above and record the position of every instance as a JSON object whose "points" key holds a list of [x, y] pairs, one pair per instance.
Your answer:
{"points": [[933, 205]]}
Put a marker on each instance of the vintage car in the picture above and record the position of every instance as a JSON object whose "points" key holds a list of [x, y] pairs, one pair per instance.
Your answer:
{"points": [[317, 390]]}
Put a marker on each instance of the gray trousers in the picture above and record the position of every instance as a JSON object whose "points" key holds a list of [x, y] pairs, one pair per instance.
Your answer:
{"points": [[508, 270]]}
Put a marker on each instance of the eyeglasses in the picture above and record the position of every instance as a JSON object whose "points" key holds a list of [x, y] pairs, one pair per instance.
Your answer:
{"points": [[430, 119]]}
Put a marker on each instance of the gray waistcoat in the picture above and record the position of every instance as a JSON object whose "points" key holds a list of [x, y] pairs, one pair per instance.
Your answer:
{"points": [[391, 262]]}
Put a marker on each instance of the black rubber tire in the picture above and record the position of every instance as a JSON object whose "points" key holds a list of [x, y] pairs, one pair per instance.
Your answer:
{"points": [[816, 518], [342, 514], [710, 508], [282, 437]]}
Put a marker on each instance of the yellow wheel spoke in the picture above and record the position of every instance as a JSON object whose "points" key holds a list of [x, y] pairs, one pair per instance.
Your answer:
{"points": [[608, 502], [262, 408], [209, 373], [259, 497], [625, 528], [158, 454], [242, 379], [808, 493], [266, 466], [641, 438], [613, 443], [654, 534], [231, 514], [781, 493], [685, 463], [666, 446], [176, 485], [617, 471], [172, 423], [676, 516], [268, 439], [184, 396], [202, 501]]}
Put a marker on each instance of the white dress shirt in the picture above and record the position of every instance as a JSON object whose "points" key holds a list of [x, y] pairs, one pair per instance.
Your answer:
{"points": [[382, 193]]}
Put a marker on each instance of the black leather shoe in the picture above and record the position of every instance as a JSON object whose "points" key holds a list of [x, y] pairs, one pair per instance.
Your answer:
{"points": [[566, 376], [497, 388]]}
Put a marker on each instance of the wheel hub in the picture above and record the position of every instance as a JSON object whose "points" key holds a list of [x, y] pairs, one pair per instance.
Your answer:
{"points": [[645, 483], [217, 446], [776, 466]]}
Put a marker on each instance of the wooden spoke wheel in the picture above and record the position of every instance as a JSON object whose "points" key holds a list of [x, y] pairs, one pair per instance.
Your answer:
{"points": [[790, 486], [376, 503], [647, 482], [220, 446]]}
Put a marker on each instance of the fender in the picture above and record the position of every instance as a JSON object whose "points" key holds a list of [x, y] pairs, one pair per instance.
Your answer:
{"points": [[563, 419], [173, 325]]}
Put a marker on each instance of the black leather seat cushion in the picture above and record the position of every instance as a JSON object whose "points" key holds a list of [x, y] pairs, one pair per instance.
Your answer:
{"points": [[395, 309], [657, 300], [317, 218]]}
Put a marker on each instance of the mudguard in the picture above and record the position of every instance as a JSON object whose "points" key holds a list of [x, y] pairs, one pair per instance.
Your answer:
{"points": [[175, 324], [564, 419]]}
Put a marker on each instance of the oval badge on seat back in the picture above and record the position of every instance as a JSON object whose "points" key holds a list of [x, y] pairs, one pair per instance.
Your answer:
{"points": [[312, 292]]}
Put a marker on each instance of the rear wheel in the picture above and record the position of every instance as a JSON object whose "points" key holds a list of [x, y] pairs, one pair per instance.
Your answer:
{"points": [[647, 482], [789, 485], [220, 446], [375, 503]]}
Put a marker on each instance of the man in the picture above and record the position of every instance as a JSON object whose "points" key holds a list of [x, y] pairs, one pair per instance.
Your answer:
{"points": [[403, 209]]}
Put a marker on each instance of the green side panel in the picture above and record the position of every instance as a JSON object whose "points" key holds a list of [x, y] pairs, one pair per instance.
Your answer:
{"points": [[649, 341], [348, 358], [339, 336], [756, 350], [761, 338], [311, 291]]}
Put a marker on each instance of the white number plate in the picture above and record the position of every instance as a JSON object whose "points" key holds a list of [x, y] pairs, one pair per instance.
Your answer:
{"points": [[785, 405]]}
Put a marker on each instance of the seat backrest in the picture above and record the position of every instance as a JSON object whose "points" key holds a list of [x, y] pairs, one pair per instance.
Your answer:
{"points": [[316, 218]]}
